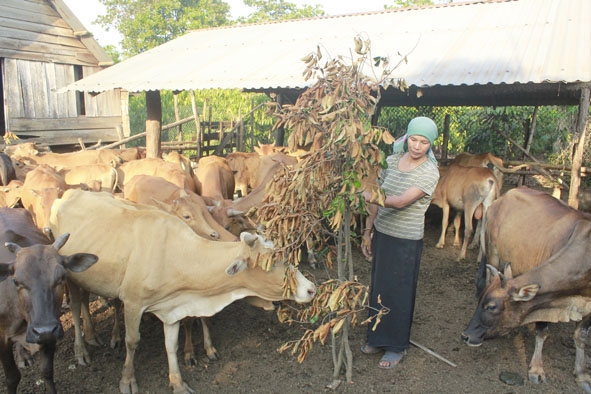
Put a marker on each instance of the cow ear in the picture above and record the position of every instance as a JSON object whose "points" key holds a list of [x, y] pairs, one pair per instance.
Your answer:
{"points": [[80, 262], [526, 293], [236, 267]]}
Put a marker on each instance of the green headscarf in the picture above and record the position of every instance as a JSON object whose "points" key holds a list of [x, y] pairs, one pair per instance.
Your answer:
{"points": [[422, 126]]}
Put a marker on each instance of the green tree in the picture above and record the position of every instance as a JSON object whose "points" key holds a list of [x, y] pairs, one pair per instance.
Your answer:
{"points": [[146, 24], [275, 10], [113, 52]]}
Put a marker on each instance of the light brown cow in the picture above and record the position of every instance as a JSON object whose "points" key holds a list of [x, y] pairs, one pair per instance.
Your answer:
{"points": [[467, 189], [488, 160], [546, 243], [42, 186], [172, 277], [245, 166], [10, 195], [172, 172], [187, 205], [215, 178], [70, 159], [98, 177]]}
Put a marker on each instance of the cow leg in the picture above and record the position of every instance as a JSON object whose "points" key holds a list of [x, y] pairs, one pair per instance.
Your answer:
{"points": [[536, 372], [467, 232], [76, 299], [171, 339], [581, 338], [116, 331], [132, 317], [457, 224], [190, 360], [210, 350], [444, 221], [46, 366], [476, 240], [88, 327], [11, 371]]}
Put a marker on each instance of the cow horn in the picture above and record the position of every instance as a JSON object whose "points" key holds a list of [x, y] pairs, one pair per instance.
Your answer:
{"points": [[493, 270], [508, 272], [12, 247], [248, 238], [61, 240], [234, 212]]}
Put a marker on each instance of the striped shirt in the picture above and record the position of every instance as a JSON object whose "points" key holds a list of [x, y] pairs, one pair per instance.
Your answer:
{"points": [[407, 222]]}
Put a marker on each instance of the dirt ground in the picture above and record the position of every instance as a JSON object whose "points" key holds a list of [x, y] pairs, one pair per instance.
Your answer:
{"points": [[247, 340]]}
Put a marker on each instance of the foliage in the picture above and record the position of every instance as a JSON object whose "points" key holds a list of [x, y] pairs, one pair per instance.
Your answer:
{"points": [[148, 23], [113, 53], [275, 10], [319, 198]]}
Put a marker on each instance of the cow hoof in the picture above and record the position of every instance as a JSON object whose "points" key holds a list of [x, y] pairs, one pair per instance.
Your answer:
{"points": [[183, 389], [537, 377], [190, 360], [584, 382], [128, 387]]}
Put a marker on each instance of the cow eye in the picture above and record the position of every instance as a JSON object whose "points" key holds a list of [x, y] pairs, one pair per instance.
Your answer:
{"points": [[491, 307], [17, 283], [187, 217]]}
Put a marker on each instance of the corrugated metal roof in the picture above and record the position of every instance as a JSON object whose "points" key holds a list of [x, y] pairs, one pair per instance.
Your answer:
{"points": [[475, 43]]}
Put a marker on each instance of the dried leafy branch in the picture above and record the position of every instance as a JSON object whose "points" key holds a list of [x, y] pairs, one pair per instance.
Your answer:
{"points": [[315, 202]]}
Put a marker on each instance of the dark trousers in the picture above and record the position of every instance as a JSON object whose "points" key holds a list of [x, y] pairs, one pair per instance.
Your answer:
{"points": [[394, 278]]}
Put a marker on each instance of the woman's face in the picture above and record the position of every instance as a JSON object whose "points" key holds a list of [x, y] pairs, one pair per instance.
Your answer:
{"points": [[418, 146]]}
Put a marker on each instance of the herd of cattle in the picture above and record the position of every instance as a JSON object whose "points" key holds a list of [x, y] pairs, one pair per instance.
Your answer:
{"points": [[157, 235]]}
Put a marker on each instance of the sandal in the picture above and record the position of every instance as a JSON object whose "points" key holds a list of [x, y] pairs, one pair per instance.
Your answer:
{"points": [[389, 360], [366, 349]]}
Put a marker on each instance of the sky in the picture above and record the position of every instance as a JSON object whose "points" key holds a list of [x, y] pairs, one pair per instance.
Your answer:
{"points": [[88, 10]]}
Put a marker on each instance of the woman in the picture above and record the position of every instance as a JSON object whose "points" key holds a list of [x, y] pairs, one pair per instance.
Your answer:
{"points": [[397, 241]]}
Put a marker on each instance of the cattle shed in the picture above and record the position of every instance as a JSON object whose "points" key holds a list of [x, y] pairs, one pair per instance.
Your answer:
{"points": [[44, 47], [479, 53]]}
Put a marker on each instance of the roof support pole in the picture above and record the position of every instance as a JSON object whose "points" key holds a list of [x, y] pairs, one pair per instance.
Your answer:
{"points": [[153, 123], [581, 132]]}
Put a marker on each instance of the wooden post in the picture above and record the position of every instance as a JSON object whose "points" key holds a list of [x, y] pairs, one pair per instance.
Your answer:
{"points": [[198, 137], [153, 123], [280, 136], [529, 136], [580, 137], [177, 117], [446, 122]]}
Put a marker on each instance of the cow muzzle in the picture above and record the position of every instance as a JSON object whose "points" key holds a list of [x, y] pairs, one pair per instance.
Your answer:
{"points": [[44, 334], [472, 342]]}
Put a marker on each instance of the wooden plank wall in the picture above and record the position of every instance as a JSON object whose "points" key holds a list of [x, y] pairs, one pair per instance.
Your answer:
{"points": [[41, 53], [32, 29]]}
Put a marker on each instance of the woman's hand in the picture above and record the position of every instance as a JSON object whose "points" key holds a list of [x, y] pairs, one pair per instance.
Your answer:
{"points": [[366, 244]]}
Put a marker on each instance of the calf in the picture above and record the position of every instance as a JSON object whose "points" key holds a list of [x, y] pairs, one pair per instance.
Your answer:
{"points": [[32, 279]]}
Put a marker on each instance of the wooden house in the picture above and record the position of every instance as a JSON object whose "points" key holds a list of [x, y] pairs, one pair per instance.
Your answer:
{"points": [[43, 48]]}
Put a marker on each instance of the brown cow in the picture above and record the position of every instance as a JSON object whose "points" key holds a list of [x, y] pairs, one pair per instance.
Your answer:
{"points": [[42, 186], [172, 277], [557, 290], [32, 278], [488, 160], [467, 189], [525, 228]]}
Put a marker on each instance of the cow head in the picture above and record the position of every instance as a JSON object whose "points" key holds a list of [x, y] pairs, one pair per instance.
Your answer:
{"points": [[269, 285], [501, 308], [38, 275]]}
